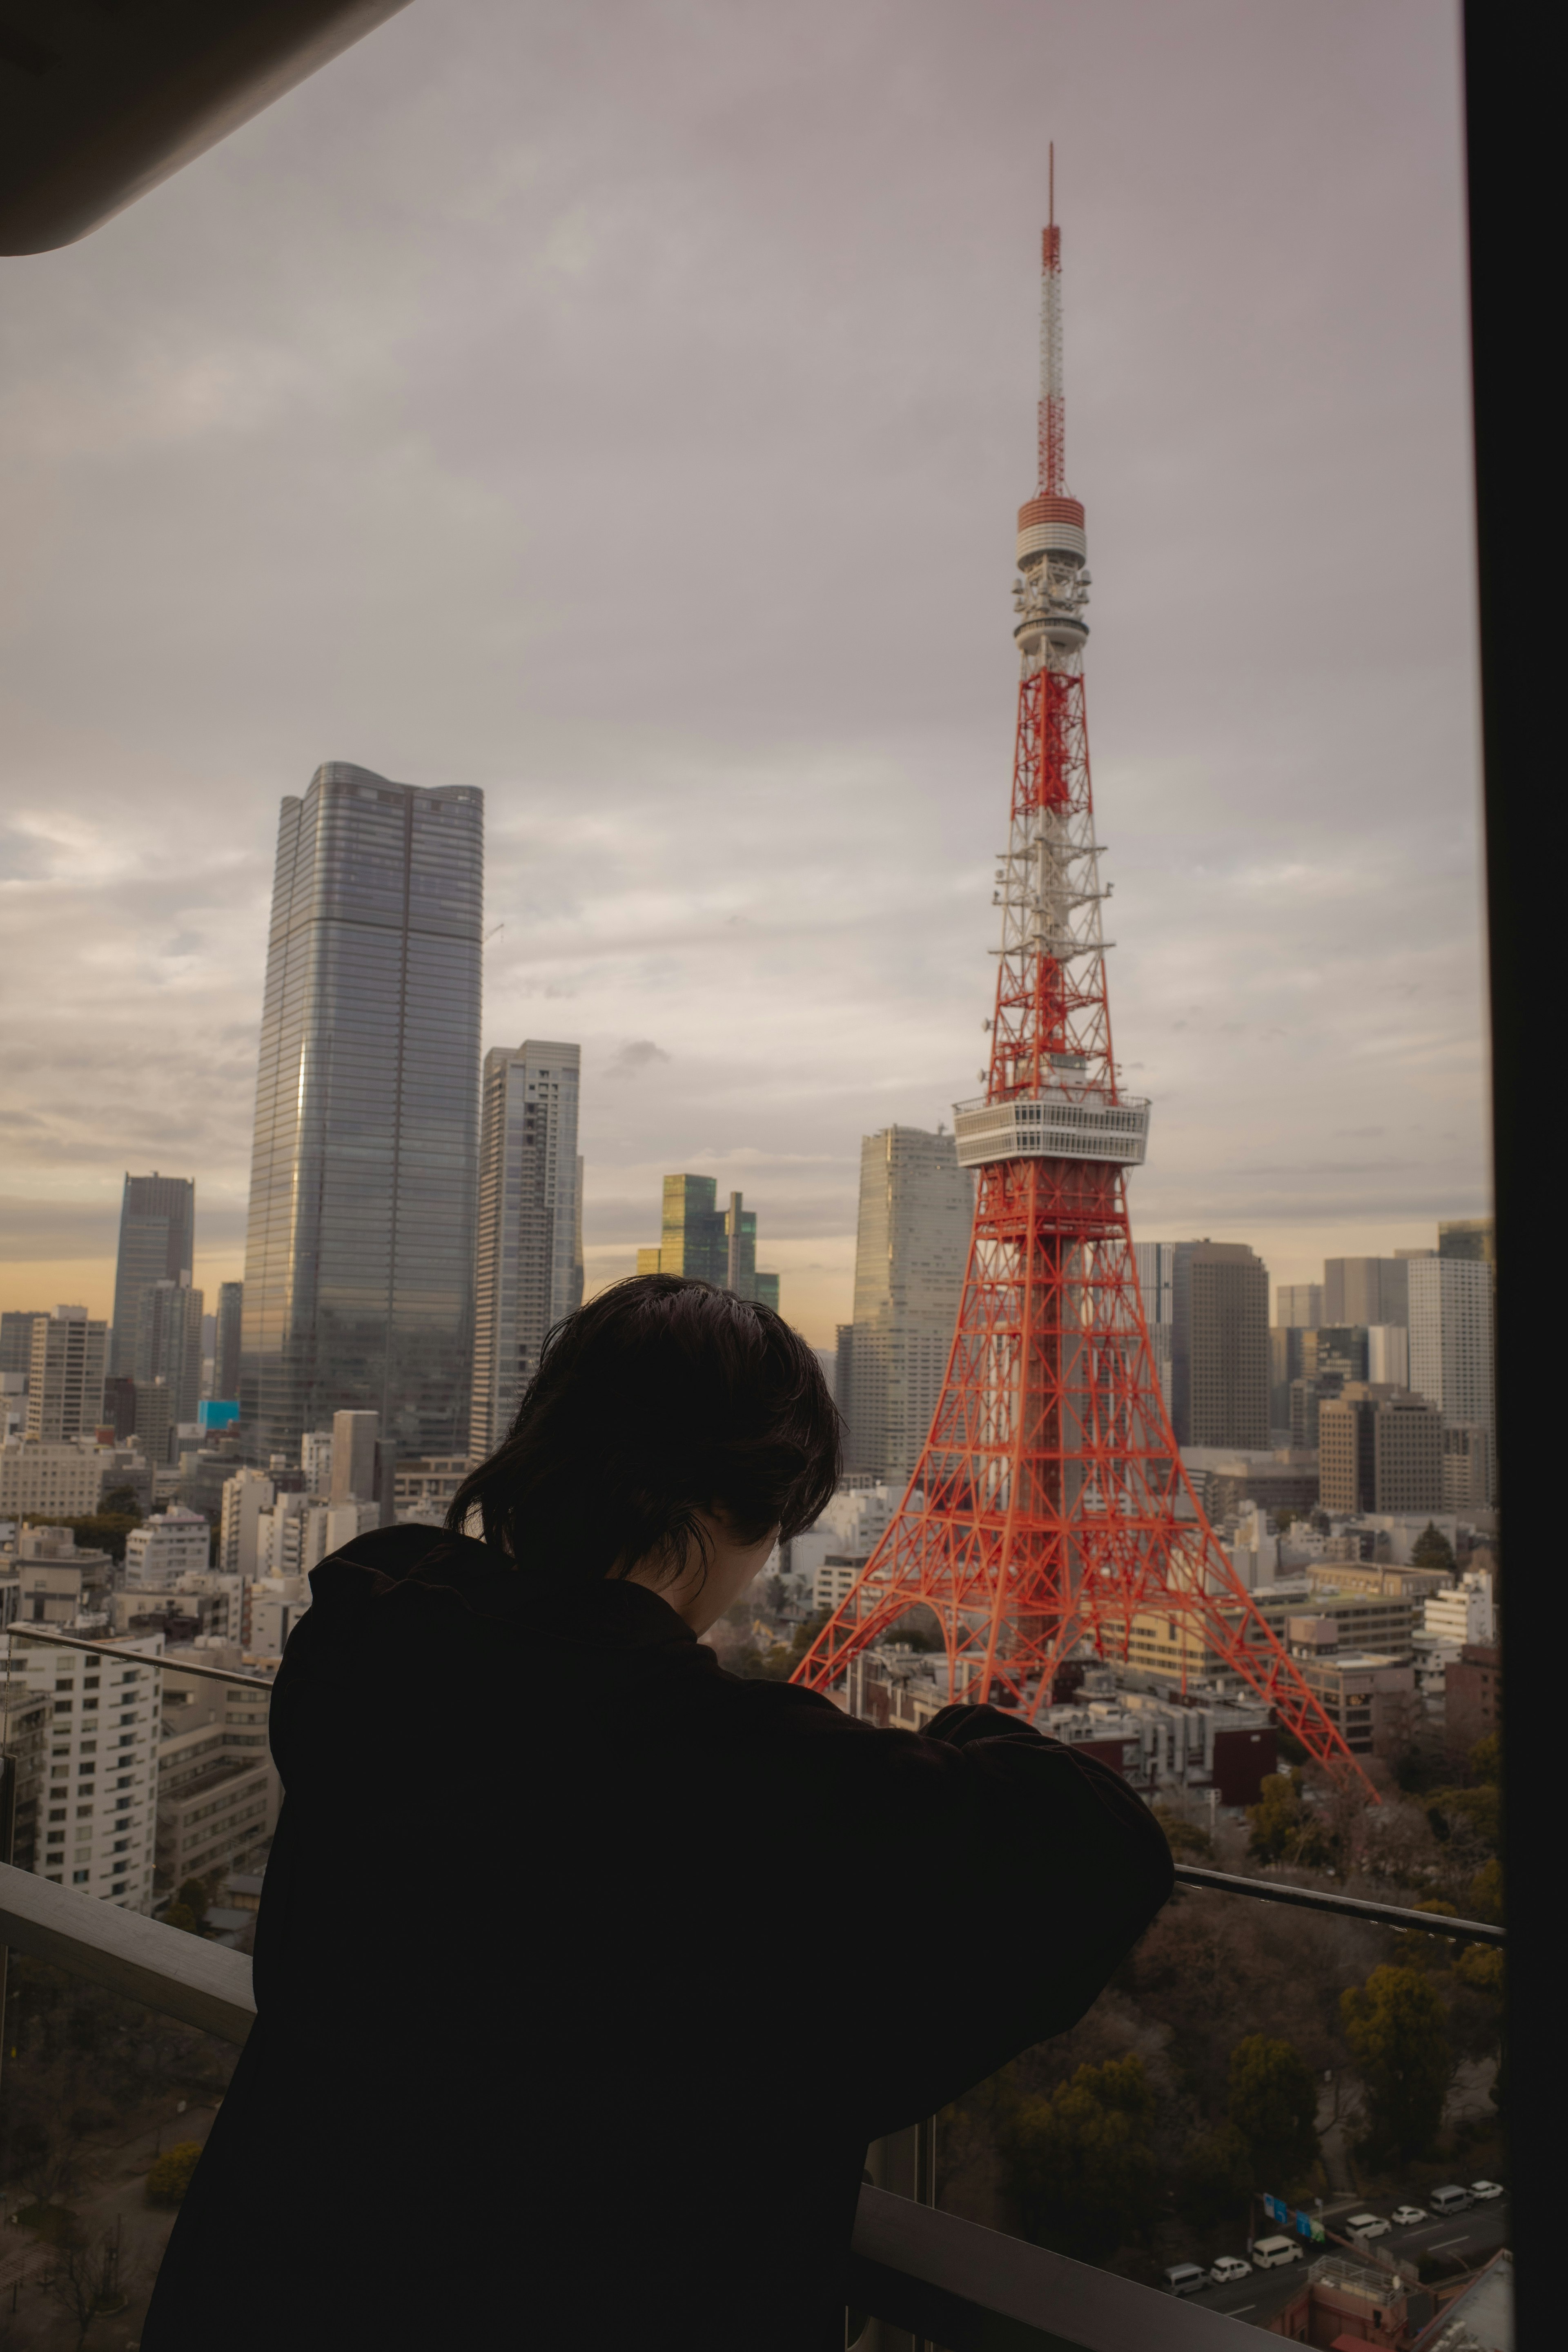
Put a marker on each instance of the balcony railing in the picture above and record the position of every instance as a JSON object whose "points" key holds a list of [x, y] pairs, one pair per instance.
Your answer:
{"points": [[929, 2275]]}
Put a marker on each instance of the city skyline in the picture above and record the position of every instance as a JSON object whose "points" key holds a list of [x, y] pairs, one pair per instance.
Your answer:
{"points": [[755, 904]]}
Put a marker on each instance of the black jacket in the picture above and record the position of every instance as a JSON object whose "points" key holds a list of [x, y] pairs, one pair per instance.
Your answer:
{"points": [[585, 1972]]}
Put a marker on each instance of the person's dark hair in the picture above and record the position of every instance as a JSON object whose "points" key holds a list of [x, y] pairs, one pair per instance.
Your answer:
{"points": [[659, 1399]]}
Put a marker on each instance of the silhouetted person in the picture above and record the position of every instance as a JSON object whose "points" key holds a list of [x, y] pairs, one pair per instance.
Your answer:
{"points": [[584, 1971]]}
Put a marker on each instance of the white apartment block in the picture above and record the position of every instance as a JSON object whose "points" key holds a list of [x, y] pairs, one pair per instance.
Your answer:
{"points": [[1453, 1341], [174, 1544], [1463, 1614], [273, 1607], [245, 1496], [529, 1264], [65, 1376], [316, 1462], [97, 1815], [912, 1246]]}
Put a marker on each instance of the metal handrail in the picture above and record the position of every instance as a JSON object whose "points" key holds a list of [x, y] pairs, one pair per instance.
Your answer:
{"points": [[1349, 1907], [112, 1642]]}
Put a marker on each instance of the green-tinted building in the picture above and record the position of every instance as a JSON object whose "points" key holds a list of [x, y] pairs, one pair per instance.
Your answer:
{"points": [[700, 1239]]}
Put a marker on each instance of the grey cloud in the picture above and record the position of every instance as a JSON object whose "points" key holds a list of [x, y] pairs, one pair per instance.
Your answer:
{"points": [[631, 1060], [335, 447]]}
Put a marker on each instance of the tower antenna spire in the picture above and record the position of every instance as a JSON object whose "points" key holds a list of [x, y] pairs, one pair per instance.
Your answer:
{"points": [[1053, 424]]}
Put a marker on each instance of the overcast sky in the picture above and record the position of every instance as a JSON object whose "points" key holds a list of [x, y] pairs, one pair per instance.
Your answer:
{"points": [[625, 409]]}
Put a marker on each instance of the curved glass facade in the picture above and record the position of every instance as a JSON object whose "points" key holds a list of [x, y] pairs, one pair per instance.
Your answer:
{"points": [[359, 1262]]}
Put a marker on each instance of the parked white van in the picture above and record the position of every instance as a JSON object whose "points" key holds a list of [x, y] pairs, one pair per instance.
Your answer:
{"points": [[1267, 2251], [1186, 2278], [1451, 2199]]}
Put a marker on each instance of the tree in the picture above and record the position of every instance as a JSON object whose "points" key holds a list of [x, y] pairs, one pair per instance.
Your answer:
{"points": [[1216, 2177], [1079, 2162], [1486, 1893], [1285, 1828], [1273, 2103], [1397, 2032], [195, 1893], [87, 2280], [169, 2176], [101, 1530], [1183, 1837], [1486, 1759], [1432, 1550]]}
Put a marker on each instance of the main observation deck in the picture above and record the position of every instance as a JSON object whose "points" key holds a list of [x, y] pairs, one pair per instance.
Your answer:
{"points": [[1059, 1122]]}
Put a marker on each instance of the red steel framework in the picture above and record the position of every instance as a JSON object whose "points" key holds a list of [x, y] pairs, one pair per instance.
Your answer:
{"points": [[1049, 1508]]}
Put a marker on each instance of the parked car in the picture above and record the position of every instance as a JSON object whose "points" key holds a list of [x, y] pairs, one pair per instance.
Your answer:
{"points": [[1486, 2189], [1367, 2225], [1405, 2215], [1228, 2270], [1186, 2278], [1269, 2252], [1451, 2199]]}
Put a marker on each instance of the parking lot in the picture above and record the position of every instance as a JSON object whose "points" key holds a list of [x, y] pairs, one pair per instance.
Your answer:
{"points": [[1470, 2237]]}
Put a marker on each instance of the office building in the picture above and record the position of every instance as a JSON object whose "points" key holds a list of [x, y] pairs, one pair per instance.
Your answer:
{"points": [[316, 1463], [157, 1239], [360, 1250], [356, 1457], [1219, 1345], [226, 1339], [1329, 1358], [17, 1338], [1467, 1468], [1474, 1238], [912, 1245], [1156, 1266], [1380, 1449], [168, 1354], [529, 1264], [1299, 1306], [219, 1791], [1364, 1290], [65, 1376], [67, 1480], [1464, 1612], [1453, 1339], [1388, 1354], [707, 1244]]}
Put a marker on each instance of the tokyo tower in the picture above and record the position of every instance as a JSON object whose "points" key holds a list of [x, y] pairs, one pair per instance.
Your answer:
{"points": [[1049, 1507]]}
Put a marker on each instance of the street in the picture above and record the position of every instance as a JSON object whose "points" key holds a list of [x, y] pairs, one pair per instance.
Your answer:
{"points": [[1470, 2237]]}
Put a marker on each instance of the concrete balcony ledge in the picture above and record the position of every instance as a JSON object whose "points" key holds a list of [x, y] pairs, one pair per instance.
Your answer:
{"points": [[181, 1976]]}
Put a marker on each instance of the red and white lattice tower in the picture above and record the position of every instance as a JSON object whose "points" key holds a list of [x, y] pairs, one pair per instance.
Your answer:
{"points": [[1049, 1508]]}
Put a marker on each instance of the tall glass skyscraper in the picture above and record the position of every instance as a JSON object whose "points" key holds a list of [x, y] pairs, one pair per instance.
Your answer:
{"points": [[359, 1263], [157, 1229]]}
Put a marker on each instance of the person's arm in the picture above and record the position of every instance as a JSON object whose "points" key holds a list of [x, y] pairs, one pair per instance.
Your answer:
{"points": [[1010, 1875]]}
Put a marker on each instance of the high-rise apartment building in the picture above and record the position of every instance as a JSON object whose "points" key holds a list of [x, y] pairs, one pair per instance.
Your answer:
{"points": [[529, 1263], [226, 1339], [912, 1245], [1364, 1290], [1468, 1237], [157, 1240], [1453, 1339], [1380, 1449], [65, 1376], [1219, 1345], [359, 1265], [707, 1244], [1299, 1306]]}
